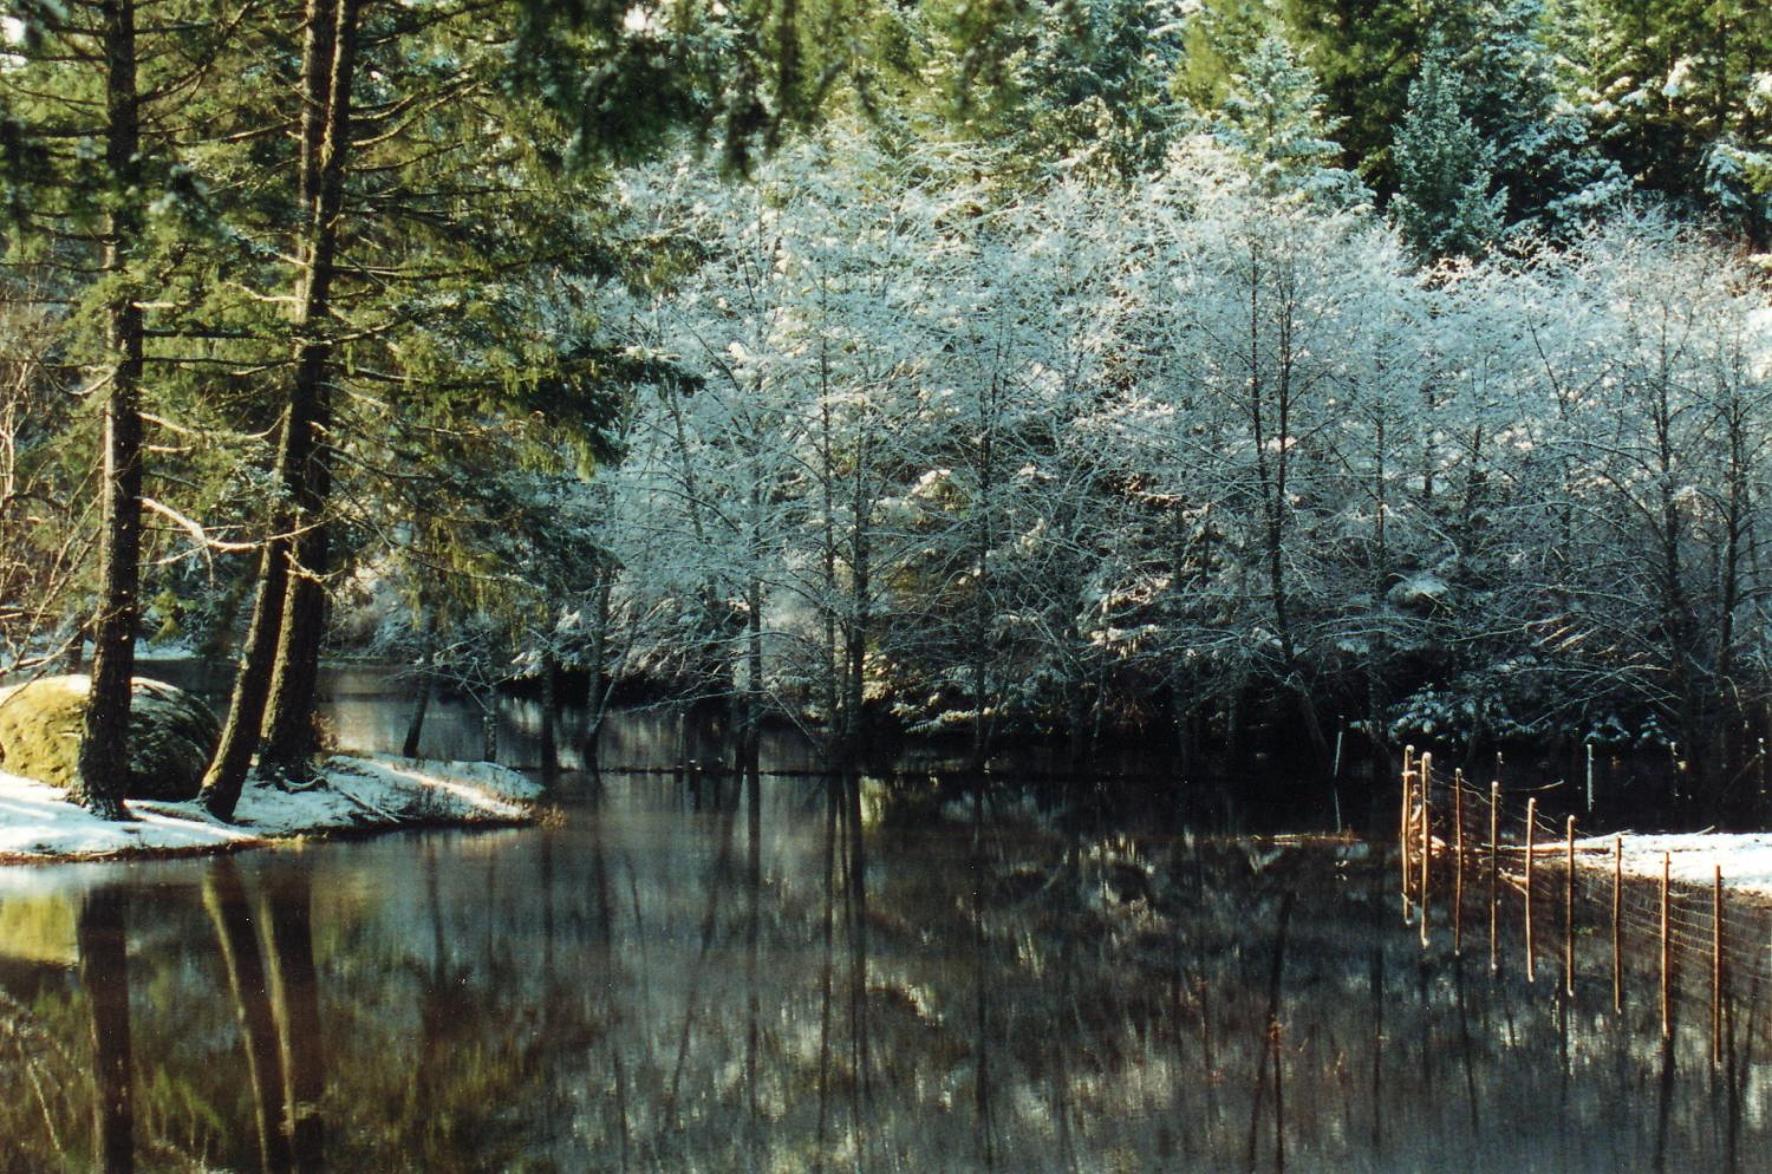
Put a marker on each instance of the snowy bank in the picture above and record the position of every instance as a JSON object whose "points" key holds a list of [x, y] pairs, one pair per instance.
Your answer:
{"points": [[356, 794], [1693, 858]]}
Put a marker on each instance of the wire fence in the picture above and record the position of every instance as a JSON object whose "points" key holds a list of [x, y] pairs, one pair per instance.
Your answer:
{"points": [[1489, 868]]}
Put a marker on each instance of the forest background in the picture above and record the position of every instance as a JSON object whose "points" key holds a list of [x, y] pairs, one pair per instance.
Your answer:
{"points": [[1211, 370]]}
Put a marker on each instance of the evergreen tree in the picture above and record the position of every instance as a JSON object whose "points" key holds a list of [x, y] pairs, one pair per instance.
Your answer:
{"points": [[96, 107], [1444, 203], [1273, 119], [1678, 91], [1543, 150], [1091, 89], [1365, 52], [1218, 36], [431, 227]]}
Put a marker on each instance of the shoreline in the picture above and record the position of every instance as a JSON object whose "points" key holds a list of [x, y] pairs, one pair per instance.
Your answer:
{"points": [[359, 796]]}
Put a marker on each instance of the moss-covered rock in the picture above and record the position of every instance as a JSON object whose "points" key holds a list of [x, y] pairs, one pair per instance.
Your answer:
{"points": [[171, 735]]}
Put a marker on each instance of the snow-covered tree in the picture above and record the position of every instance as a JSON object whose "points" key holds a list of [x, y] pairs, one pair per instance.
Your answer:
{"points": [[1273, 119], [1544, 153], [1444, 203]]}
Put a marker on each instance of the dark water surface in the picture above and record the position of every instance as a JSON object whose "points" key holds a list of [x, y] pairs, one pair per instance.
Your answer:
{"points": [[803, 974]]}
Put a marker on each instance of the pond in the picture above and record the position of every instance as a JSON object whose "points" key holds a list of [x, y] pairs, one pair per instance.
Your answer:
{"points": [[798, 973]]}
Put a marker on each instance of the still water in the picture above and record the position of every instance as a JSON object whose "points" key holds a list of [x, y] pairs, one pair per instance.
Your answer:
{"points": [[803, 974]]}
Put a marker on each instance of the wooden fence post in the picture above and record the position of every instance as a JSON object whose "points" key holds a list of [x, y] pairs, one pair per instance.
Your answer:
{"points": [[1458, 863], [1494, 875], [1569, 914], [1405, 829], [1666, 957], [1716, 967], [1424, 896], [1531, 821], [1590, 778], [1617, 919]]}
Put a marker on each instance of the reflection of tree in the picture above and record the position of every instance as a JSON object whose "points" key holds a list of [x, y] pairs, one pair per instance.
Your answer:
{"points": [[30, 1050], [710, 921], [104, 973], [224, 896], [753, 924], [605, 941], [855, 898], [529, 999], [298, 999], [466, 1066], [983, 1127], [278, 1009], [828, 967]]}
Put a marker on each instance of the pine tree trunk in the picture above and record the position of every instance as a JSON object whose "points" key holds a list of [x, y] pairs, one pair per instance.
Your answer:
{"points": [[254, 678], [329, 63], [598, 690], [226, 775], [550, 718], [416, 727], [855, 633], [289, 718], [103, 765]]}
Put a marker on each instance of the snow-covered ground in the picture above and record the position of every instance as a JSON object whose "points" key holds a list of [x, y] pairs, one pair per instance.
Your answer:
{"points": [[358, 794], [1746, 859]]}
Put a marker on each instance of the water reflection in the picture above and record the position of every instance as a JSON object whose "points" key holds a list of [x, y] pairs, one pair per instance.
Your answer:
{"points": [[104, 974], [811, 974], [224, 897]]}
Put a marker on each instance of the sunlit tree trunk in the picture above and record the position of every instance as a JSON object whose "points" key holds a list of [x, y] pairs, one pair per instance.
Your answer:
{"points": [[858, 614], [751, 735], [601, 685], [226, 775], [104, 745], [1272, 400], [983, 611], [833, 676], [269, 632], [332, 48]]}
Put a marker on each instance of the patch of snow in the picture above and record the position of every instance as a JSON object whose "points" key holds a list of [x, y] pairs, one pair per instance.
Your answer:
{"points": [[179, 649], [1746, 859], [356, 794], [1679, 78], [1423, 587]]}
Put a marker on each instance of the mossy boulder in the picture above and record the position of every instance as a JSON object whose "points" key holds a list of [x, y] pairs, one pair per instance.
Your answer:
{"points": [[171, 735]]}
